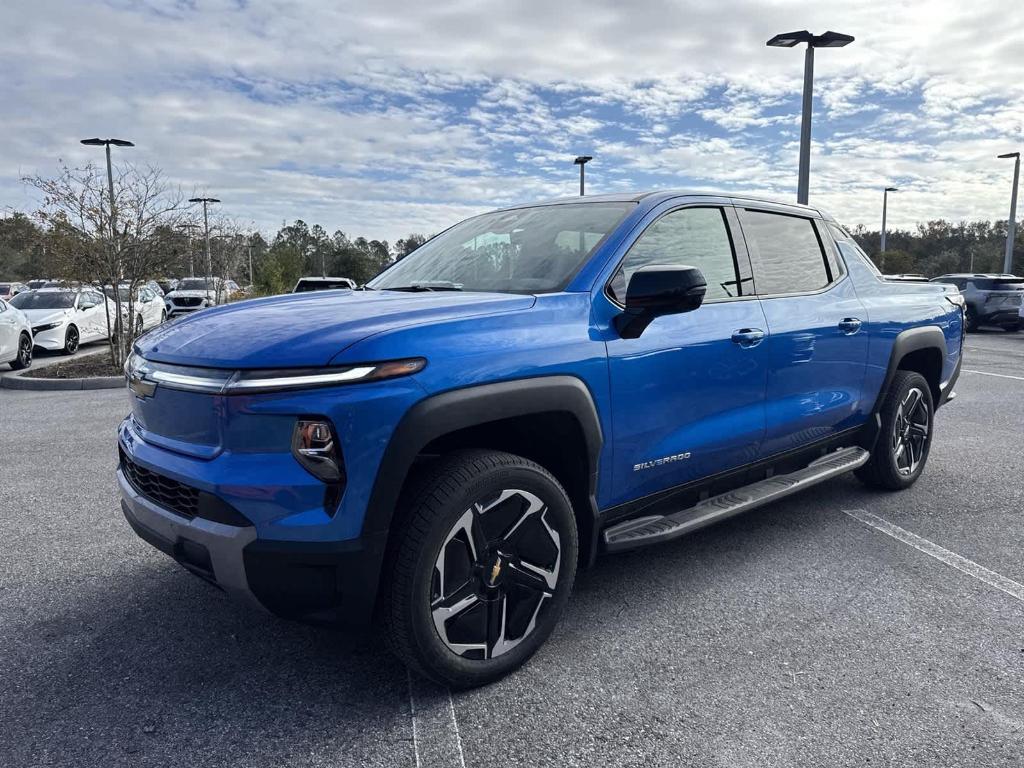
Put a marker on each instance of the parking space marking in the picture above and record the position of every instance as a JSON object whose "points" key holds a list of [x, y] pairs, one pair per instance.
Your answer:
{"points": [[997, 375], [436, 740], [952, 559]]}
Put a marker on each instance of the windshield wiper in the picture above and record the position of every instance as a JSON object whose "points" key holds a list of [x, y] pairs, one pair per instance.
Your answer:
{"points": [[440, 285]]}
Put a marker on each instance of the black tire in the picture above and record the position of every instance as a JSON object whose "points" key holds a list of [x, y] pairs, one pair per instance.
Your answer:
{"points": [[488, 489], [972, 319], [1012, 328], [24, 358], [71, 340], [889, 468]]}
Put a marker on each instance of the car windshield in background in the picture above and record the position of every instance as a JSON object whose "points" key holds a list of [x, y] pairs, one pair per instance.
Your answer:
{"points": [[196, 284], [999, 284], [122, 291], [526, 250], [47, 300]]}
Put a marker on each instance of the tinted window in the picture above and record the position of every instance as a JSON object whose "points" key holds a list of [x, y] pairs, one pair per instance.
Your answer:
{"points": [[524, 250], [693, 237], [785, 252], [999, 284], [197, 284]]}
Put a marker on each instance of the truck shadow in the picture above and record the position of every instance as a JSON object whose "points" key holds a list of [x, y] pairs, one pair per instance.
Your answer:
{"points": [[155, 666]]}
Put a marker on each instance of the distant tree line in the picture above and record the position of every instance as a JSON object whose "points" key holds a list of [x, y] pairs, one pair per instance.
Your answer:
{"points": [[940, 247]]}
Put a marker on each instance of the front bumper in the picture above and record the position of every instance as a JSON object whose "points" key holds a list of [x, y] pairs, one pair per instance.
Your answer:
{"points": [[52, 339], [1008, 316], [323, 582]]}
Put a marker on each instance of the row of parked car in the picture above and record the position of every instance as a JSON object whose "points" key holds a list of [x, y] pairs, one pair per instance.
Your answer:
{"points": [[60, 316]]}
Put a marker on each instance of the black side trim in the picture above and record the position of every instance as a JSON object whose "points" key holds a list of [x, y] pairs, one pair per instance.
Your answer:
{"points": [[461, 408], [687, 495], [910, 340]]}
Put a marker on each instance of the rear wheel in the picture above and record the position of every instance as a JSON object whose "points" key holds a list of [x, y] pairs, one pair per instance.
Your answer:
{"points": [[1013, 328], [24, 358], [482, 568], [906, 435], [972, 319], [71, 340]]}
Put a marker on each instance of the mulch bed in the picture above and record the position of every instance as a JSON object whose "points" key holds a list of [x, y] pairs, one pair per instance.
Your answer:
{"points": [[87, 367]]}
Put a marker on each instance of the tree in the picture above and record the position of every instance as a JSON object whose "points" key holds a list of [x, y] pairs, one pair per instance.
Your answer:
{"points": [[407, 245], [75, 211]]}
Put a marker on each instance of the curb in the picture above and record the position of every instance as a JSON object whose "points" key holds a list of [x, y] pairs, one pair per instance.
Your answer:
{"points": [[20, 381]]}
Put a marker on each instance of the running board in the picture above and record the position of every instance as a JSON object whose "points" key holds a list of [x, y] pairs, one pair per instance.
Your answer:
{"points": [[657, 528]]}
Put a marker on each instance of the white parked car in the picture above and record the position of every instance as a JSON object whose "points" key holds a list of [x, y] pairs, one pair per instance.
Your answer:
{"points": [[195, 293], [148, 307], [15, 337], [63, 318]]}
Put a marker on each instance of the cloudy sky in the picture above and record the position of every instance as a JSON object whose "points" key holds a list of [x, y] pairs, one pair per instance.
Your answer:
{"points": [[388, 117]]}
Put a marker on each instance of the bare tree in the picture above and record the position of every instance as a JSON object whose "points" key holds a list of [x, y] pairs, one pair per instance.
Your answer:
{"points": [[76, 210]]}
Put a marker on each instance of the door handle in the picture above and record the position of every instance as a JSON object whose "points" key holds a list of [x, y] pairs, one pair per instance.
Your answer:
{"points": [[849, 325], [748, 337]]}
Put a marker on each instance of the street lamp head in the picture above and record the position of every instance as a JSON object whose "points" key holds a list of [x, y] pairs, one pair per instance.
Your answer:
{"points": [[789, 39], [828, 40], [582, 160], [832, 40], [1010, 154], [892, 189], [104, 142], [203, 200]]}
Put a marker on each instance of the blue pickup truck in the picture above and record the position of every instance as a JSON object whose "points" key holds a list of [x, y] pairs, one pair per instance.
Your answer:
{"points": [[437, 452]]}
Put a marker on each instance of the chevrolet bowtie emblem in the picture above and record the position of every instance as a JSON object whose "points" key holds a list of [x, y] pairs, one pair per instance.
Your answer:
{"points": [[140, 386], [495, 571]]}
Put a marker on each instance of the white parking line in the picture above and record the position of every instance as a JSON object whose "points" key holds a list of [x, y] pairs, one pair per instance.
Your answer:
{"points": [[997, 375], [953, 560], [436, 740]]}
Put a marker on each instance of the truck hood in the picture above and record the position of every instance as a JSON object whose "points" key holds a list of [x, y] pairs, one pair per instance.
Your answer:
{"points": [[307, 329], [190, 295]]}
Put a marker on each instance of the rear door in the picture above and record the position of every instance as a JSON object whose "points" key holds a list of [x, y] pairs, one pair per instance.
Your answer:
{"points": [[688, 394], [817, 346]]}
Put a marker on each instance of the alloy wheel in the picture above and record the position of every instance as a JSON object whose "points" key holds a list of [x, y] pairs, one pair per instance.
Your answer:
{"points": [[910, 431], [25, 352], [496, 570], [71, 340]]}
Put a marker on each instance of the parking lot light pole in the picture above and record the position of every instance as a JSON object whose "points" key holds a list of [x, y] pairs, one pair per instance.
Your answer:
{"points": [[788, 40], [206, 227], [1011, 225], [581, 161], [885, 207], [110, 189]]}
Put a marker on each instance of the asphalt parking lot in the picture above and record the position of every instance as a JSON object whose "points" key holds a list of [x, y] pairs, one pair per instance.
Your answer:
{"points": [[808, 633]]}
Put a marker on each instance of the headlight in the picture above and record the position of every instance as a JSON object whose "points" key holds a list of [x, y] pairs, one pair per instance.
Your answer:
{"points": [[47, 327], [226, 382], [271, 381]]}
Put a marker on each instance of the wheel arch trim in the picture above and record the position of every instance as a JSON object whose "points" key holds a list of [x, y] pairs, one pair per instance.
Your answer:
{"points": [[907, 342]]}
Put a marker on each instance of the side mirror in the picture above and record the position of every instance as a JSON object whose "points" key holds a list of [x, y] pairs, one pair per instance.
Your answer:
{"points": [[659, 290], [85, 305]]}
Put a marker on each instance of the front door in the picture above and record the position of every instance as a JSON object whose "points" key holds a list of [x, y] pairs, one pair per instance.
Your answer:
{"points": [[688, 395]]}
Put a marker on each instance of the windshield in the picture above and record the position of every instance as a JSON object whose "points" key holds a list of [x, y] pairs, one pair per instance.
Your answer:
{"points": [[48, 300], [123, 292], [527, 250], [5, 288], [197, 284]]}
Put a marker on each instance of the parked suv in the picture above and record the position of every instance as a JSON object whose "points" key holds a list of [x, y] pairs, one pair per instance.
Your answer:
{"points": [[195, 293], [991, 299], [441, 450]]}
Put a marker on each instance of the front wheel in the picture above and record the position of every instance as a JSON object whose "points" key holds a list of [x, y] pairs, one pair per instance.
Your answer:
{"points": [[24, 358], [482, 567], [906, 435], [972, 319], [71, 340]]}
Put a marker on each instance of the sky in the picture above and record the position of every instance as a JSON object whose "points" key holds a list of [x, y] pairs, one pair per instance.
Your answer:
{"points": [[390, 117]]}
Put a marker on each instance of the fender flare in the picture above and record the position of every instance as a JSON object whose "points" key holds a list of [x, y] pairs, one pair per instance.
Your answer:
{"points": [[910, 340], [457, 409]]}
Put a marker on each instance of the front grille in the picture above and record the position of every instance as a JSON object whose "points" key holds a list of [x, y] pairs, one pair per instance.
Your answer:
{"points": [[187, 301], [169, 494]]}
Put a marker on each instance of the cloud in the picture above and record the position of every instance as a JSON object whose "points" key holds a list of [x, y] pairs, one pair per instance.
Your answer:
{"points": [[386, 118]]}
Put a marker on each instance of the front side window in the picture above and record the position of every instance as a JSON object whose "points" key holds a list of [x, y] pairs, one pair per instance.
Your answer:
{"points": [[526, 250], [692, 237], [785, 251]]}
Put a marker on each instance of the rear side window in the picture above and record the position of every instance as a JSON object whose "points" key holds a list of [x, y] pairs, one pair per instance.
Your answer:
{"points": [[998, 284], [692, 237], [786, 253]]}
